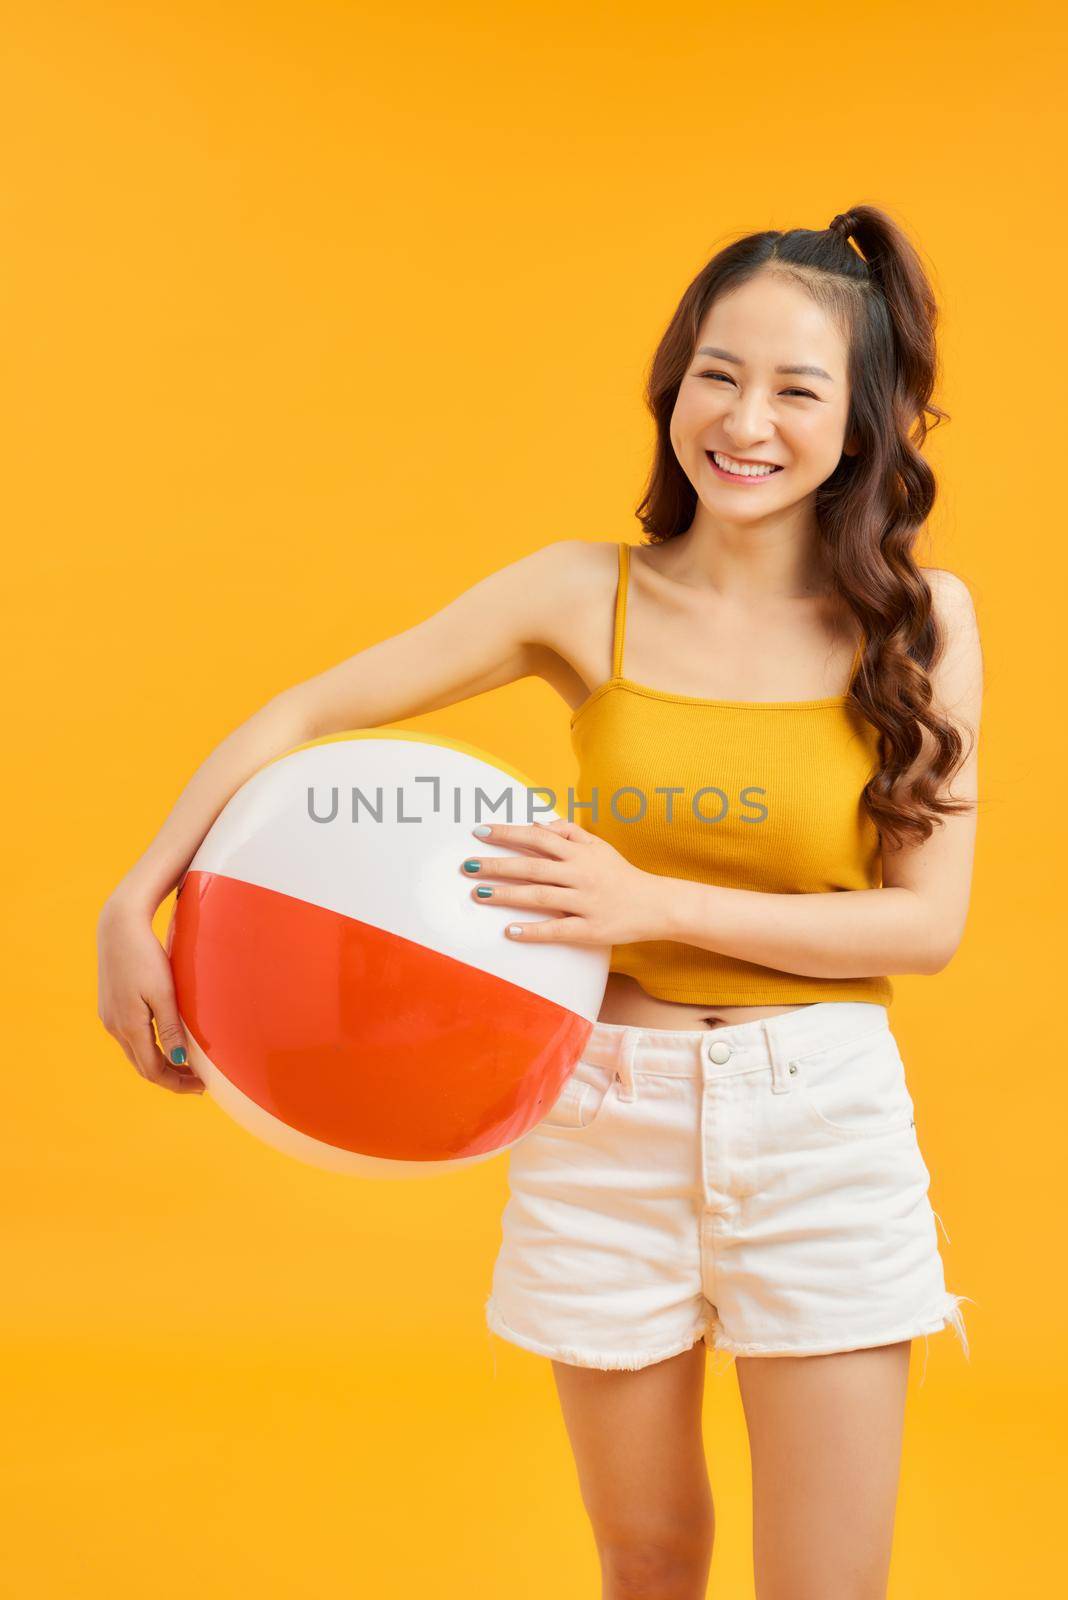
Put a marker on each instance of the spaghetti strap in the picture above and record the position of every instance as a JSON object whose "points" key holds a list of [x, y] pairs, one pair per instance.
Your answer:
{"points": [[621, 609]]}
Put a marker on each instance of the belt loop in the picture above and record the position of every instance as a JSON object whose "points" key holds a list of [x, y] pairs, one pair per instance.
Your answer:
{"points": [[780, 1072], [625, 1069]]}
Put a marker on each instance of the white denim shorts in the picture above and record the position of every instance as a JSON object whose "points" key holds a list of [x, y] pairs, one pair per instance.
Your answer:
{"points": [[759, 1186]]}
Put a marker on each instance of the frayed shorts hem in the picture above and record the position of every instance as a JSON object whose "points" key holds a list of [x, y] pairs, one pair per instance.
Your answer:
{"points": [[949, 1316], [579, 1356]]}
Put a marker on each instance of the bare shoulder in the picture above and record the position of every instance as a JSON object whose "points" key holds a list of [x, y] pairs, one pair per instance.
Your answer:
{"points": [[953, 605], [543, 592], [553, 570], [569, 567], [570, 580], [957, 675], [950, 593]]}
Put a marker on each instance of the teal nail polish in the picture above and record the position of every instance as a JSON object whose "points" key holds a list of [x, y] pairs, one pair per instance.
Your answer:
{"points": [[483, 893], [471, 866], [482, 830], [178, 1055]]}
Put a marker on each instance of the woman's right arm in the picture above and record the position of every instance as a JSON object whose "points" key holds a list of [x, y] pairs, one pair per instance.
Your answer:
{"points": [[492, 634]]}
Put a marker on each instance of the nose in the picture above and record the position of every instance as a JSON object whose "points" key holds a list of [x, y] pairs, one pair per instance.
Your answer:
{"points": [[746, 422]]}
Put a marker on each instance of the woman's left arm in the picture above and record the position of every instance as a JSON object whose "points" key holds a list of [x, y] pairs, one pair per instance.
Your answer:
{"points": [[914, 923]]}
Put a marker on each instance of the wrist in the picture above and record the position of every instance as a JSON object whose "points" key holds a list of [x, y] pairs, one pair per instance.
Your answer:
{"points": [[680, 909], [130, 900], [663, 906]]}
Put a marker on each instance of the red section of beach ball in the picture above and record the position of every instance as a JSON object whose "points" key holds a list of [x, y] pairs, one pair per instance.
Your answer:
{"points": [[358, 1037]]}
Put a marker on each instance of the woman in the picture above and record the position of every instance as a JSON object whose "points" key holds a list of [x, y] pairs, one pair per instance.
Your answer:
{"points": [[769, 700]]}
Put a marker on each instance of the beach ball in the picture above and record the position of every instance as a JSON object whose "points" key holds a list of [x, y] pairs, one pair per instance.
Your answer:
{"points": [[346, 999]]}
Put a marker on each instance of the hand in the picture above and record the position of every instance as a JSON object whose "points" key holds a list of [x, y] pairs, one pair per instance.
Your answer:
{"points": [[605, 899], [135, 985]]}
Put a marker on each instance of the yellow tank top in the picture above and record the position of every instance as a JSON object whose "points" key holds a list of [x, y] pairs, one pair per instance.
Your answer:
{"points": [[745, 794]]}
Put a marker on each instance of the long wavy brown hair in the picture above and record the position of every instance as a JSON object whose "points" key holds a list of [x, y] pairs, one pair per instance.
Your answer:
{"points": [[872, 507]]}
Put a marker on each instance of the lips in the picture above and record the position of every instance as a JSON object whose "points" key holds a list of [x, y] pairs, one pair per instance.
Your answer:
{"points": [[775, 467]]}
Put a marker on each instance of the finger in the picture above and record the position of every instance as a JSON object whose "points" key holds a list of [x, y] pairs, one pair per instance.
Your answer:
{"points": [[534, 896], [189, 1083], [150, 1070], [169, 1030], [569, 830], [554, 930], [150, 1061], [536, 869], [172, 1036], [519, 835], [128, 1053]]}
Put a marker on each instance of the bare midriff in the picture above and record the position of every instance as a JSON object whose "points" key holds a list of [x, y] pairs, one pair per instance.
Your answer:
{"points": [[625, 1001]]}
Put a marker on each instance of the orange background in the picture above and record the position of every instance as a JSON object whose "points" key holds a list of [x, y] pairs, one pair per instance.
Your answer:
{"points": [[313, 315]]}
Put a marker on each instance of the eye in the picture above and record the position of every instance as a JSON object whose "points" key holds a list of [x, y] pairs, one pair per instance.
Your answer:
{"points": [[806, 392]]}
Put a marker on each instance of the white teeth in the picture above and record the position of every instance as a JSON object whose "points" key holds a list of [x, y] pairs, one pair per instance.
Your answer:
{"points": [[740, 469]]}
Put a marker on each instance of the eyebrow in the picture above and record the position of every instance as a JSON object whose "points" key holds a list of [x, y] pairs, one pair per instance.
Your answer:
{"points": [[725, 355]]}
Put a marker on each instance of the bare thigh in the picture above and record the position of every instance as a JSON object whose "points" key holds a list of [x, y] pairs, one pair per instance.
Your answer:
{"points": [[638, 1448], [825, 1437]]}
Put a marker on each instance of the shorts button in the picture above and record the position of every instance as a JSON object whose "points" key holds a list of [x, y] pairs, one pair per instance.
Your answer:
{"points": [[719, 1053]]}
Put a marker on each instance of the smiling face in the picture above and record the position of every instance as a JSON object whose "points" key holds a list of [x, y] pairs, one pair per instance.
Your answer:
{"points": [[735, 399]]}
